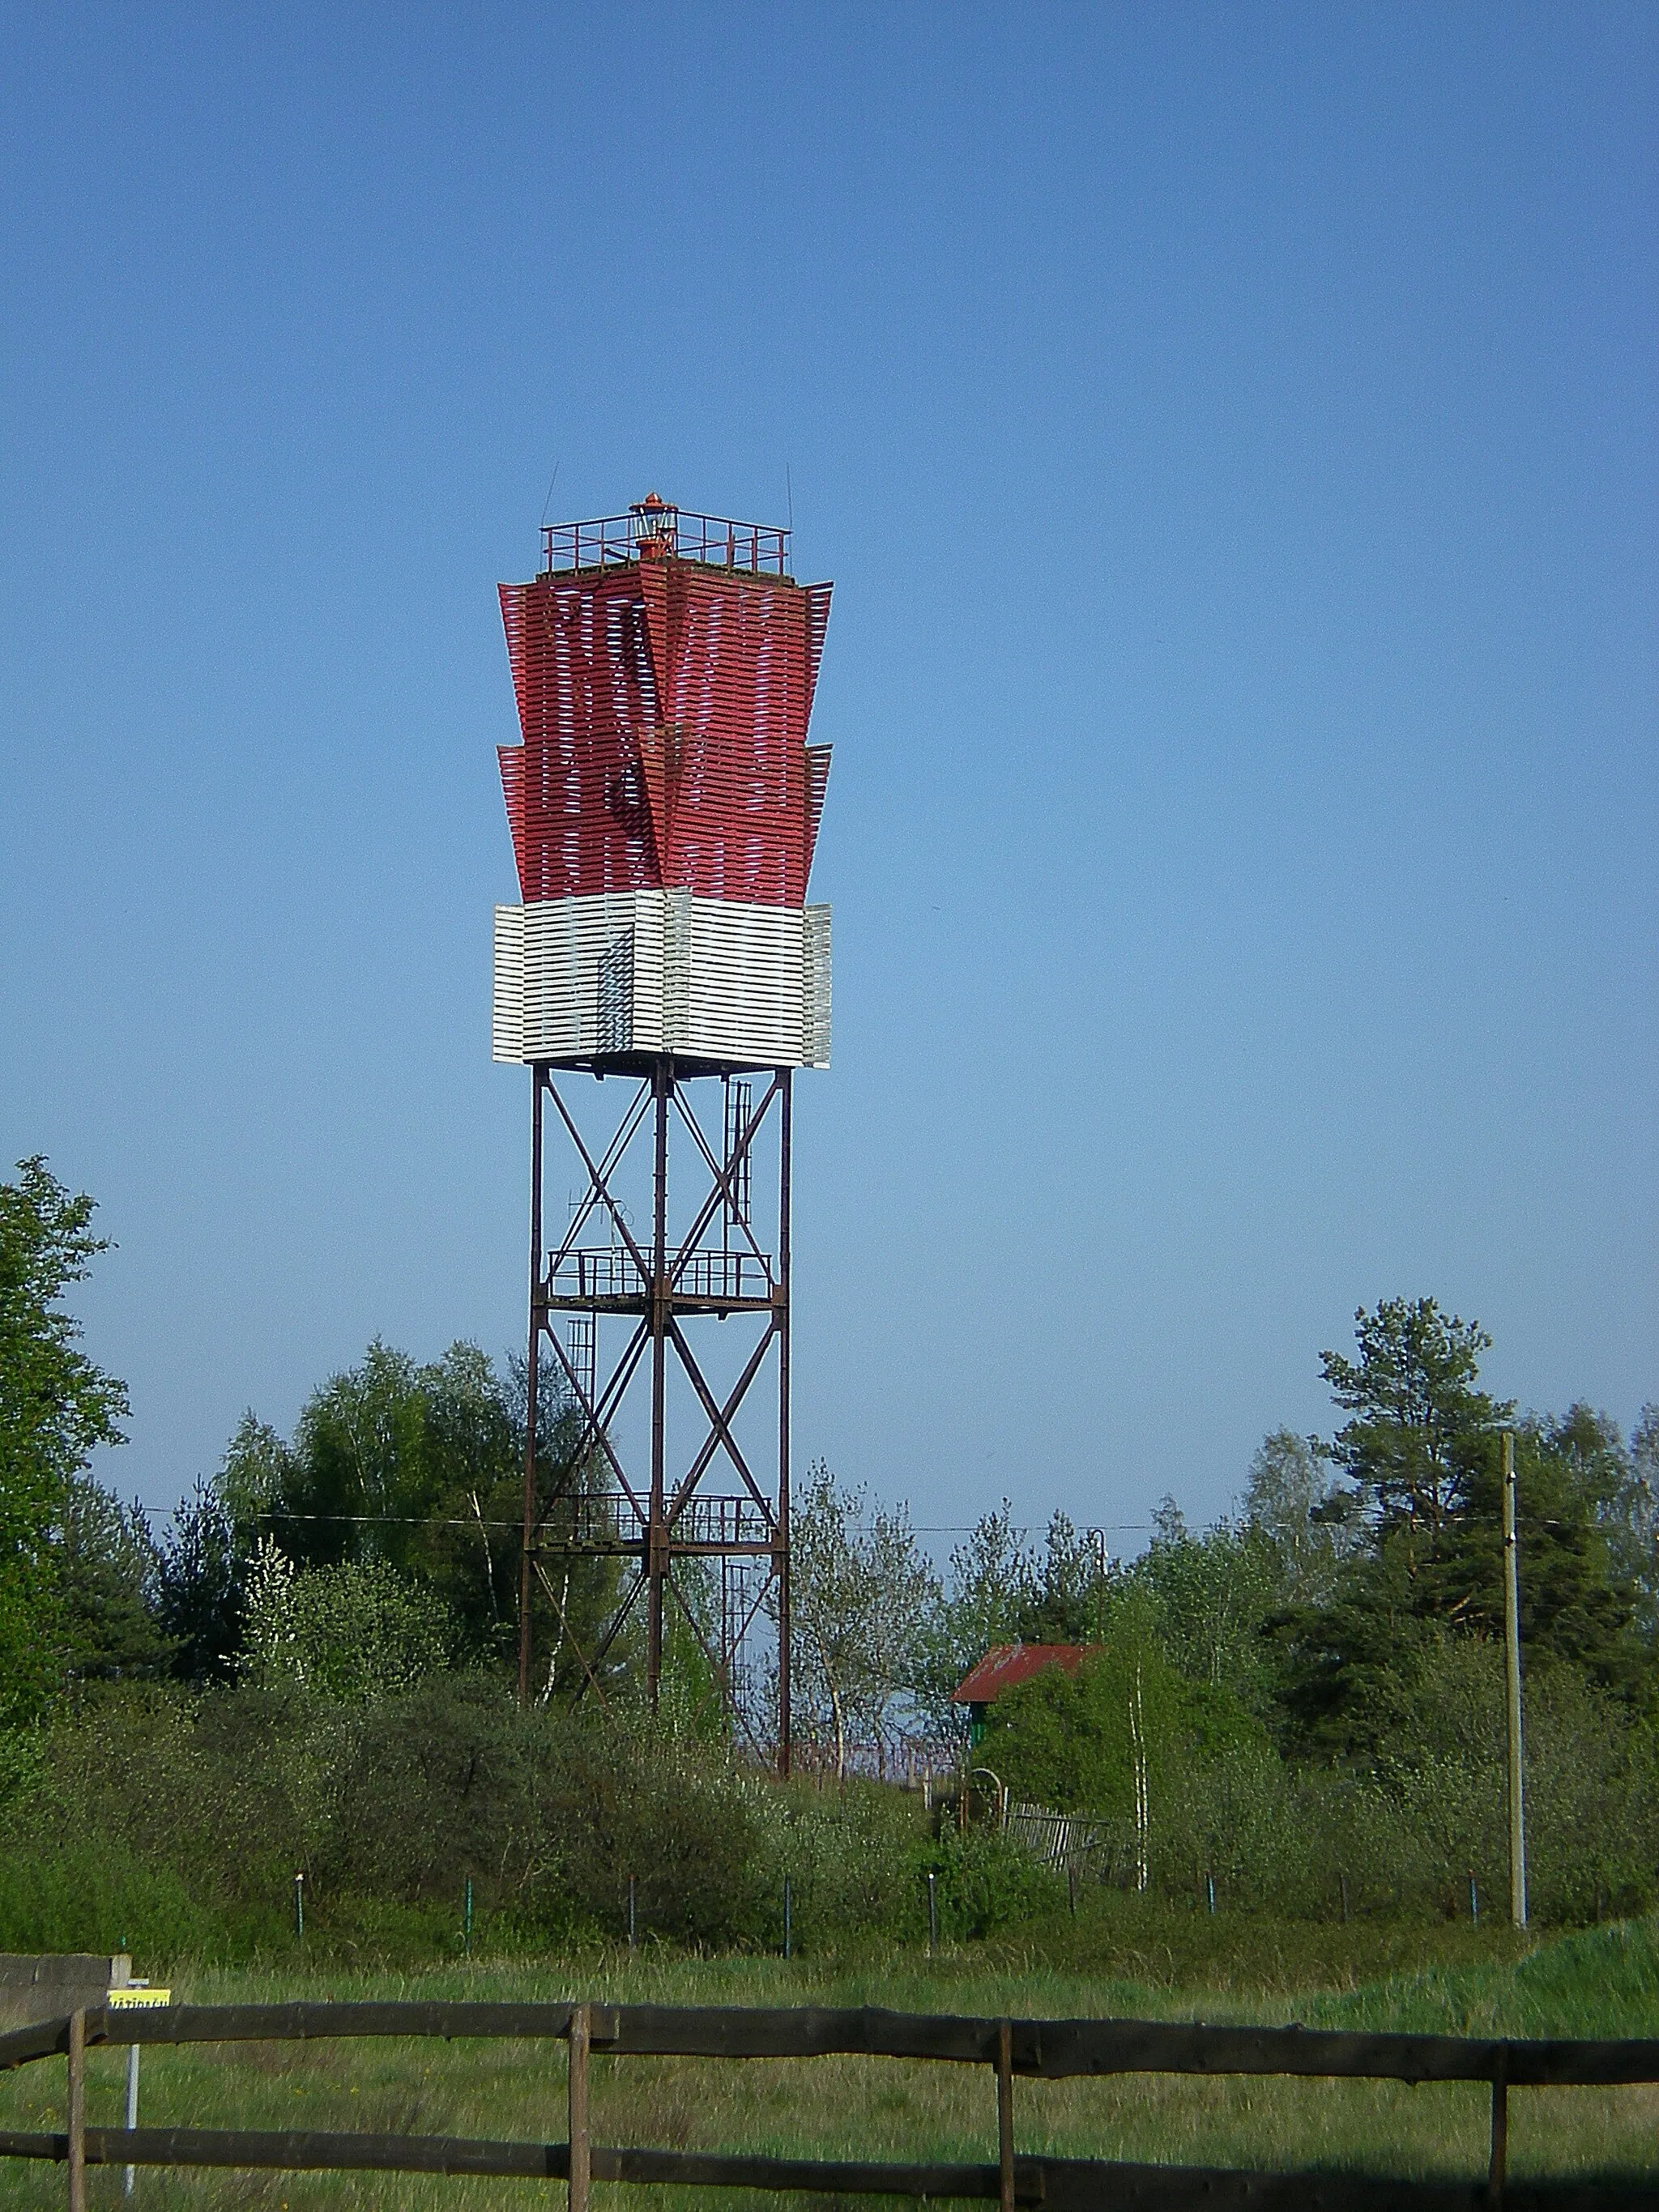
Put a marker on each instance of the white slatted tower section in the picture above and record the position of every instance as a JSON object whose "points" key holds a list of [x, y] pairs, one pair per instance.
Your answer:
{"points": [[660, 971]]}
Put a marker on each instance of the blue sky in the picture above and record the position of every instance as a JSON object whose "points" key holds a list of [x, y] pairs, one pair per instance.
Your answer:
{"points": [[1232, 433]]}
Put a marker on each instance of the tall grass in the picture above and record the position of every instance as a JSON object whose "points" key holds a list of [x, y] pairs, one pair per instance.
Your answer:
{"points": [[175, 1826], [1600, 1982]]}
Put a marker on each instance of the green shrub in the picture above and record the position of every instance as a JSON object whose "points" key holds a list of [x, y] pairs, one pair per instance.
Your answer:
{"points": [[850, 1854], [179, 1820], [89, 1893], [985, 1884]]}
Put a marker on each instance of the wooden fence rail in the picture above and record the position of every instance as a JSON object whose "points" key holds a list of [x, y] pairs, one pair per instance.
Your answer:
{"points": [[1047, 2050]]}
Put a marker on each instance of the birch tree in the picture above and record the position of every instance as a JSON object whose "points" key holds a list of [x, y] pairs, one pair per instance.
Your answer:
{"points": [[860, 1592]]}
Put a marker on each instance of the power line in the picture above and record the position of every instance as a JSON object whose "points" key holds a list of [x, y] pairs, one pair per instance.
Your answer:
{"points": [[474, 1520]]}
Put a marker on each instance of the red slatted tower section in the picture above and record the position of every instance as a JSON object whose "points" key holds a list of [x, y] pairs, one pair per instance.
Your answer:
{"points": [[665, 665]]}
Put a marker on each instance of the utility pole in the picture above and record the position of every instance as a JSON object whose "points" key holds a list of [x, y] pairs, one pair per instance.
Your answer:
{"points": [[1512, 1700]]}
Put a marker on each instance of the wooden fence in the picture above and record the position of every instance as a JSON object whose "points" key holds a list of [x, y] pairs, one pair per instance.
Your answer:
{"points": [[1060, 1840], [1043, 2049]]}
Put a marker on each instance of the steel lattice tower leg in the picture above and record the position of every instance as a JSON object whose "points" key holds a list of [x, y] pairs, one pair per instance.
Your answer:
{"points": [[533, 1379], [661, 1284], [656, 1555]]}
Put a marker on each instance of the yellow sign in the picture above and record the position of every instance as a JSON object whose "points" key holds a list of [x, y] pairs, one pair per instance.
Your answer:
{"points": [[130, 2000]]}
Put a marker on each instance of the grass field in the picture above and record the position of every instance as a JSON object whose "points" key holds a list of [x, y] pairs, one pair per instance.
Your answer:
{"points": [[1604, 1982]]}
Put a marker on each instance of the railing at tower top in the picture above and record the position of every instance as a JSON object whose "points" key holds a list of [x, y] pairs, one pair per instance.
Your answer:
{"points": [[654, 533]]}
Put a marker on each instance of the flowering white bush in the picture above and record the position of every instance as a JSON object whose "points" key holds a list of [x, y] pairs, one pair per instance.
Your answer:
{"points": [[352, 1632]]}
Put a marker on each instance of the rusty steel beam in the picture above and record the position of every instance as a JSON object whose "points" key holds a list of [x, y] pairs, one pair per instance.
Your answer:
{"points": [[679, 1279]]}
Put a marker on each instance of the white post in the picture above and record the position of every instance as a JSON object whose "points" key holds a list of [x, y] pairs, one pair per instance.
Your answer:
{"points": [[132, 2110]]}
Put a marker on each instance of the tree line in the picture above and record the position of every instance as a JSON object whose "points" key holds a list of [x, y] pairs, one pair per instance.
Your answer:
{"points": [[1351, 1559], [1313, 1679]]}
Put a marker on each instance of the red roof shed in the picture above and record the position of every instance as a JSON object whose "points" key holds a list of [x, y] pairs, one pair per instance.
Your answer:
{"points": [[1007, 1665]]}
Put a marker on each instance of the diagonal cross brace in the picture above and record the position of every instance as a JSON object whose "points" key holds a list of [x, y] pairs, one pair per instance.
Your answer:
{"points": [[598, 1412], [719, 1430], [725, 1178], [611, 1160], [598, 1176], [719, 1421]]}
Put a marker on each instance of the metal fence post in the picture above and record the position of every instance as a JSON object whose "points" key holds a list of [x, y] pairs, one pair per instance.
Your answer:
{"points": [[581, 2144], [77, 2111], [1005, 2112]]}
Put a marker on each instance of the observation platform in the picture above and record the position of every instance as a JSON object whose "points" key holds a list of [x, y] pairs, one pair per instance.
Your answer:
{"points": [[654, 530], [606, 1279]]}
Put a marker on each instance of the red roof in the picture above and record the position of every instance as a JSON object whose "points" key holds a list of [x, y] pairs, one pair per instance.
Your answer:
{"points": [[1005, 1665]]}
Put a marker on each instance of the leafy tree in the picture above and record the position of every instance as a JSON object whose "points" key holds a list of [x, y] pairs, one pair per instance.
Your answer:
{"points": [[1635, 1519], [1626, 1477], [361, 1481], [1168, 1522], [1422, 1444], [994, 1584], [1114, 1738], [690, 1699], [1311, 1523], [1209, 1596], [1065, 1601], [421, 1468], [1578, 1604], [1343, 1661], [356, 1631], [258, 1474], [1645, 1453], [859, 1593], [993, 1591], [56, 1407], [1068, 1740], [1001, 1590]]}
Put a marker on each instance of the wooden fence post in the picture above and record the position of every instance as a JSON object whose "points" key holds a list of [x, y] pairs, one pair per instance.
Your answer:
{"points": [[581, 2158], [77, 2111], [1006, 2111]]}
